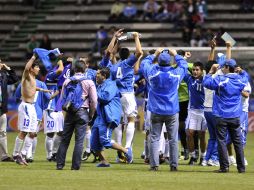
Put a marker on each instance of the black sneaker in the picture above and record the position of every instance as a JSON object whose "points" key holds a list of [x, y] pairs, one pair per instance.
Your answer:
{"points": [[161, 159], [8, 159], [154, 168], [173, 168], [53, 157], [222, 170], [192, 160], [29, 160], [200, 161], [96, 157], [85, 156], [186, 154], [196, 155]]}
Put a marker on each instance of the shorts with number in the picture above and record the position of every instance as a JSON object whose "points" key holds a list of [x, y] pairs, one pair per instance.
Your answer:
{"points": [[129, 104], [196, 120], [53, 121], [27, 118]]}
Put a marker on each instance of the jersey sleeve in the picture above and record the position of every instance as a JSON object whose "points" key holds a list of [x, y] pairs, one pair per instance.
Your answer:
{"points": [[131, 60]]}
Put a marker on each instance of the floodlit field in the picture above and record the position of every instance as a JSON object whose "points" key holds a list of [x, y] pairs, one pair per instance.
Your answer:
{"points": [[41, 174]]}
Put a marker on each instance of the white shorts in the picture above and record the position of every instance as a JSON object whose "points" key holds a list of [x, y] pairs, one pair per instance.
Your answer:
{"points": [[53, 121], [196, 120], [27, 118], [129, 104], [147, 120]]}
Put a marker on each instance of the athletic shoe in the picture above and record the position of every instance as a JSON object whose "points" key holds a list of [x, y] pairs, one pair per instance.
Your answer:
{"points": [[129, 156], [224, 170], [245, 162], [142, 155], [173, 168], [231, 160], [53, 157], [102, 165], [213, 162], [20, 160], [196, 155], [200, 161], [192, 160], [96, 157], [29, 160], [146, 160], [204, 163], [161, 159], [154, 168], [85, 156], [186, 154], [8, 159]]}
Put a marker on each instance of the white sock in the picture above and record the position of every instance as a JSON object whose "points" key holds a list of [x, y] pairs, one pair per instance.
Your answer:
{"points": [[118, 134], [48, 146], [193, 154], [166, 152], [3, 147], [130, 130], [27, 144], [34, 145], [17, 146], [202, 154], [87, 139], [162, 143], [56, 143]]}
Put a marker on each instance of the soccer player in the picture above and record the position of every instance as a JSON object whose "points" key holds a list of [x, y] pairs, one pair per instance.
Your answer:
{"points": [[123, 73], [108, 117], [7, 77], [163, 103], [196, 119], [227, 109], [27, 118]]}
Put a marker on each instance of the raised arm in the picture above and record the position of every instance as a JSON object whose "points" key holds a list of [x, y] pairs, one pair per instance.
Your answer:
{"points": [[137, 64], [228, 51], [60, 67], [111, 45], [139, 51], [29, 65], [212, 51]]}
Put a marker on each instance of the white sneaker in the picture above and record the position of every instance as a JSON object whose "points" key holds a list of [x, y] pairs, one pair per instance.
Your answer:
{"points": [[231, 160], [213, 163], [204, 163], [245, 162]]}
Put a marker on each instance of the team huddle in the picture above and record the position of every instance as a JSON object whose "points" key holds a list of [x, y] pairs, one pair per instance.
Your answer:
{"points": [[181, 100]]}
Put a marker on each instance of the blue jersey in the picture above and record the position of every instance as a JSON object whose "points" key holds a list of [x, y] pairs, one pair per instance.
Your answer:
{"points": [[41, 99], [196, 92], [91, 74], [227, 98], [123, 73], [164, 83]]}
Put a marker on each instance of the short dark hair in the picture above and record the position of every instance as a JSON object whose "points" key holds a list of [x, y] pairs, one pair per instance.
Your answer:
{"points": [[124, 53], [181, 52], [104, 71], [231, 69], [198, 64], [35, 63], [78, 67]]}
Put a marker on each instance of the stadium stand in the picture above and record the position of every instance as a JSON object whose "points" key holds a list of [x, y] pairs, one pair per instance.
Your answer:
{"points": [[72, 27]]}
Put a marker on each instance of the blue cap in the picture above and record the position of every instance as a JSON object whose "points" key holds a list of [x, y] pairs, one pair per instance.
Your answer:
{"points": [[221, 58], [230, 63], [164, 59]]}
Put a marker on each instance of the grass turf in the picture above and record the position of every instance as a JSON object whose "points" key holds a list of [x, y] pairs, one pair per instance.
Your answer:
{"points": [[41, 174]]}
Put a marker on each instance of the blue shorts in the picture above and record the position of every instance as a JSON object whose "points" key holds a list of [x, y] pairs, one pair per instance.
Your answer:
{"points": [[101, 136]]}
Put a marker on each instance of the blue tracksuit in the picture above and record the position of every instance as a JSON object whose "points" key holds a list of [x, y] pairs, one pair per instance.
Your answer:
{"points": [[109, 111], [164, 82]]}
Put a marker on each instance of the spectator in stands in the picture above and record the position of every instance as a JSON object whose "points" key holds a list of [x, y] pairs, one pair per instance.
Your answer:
{"points": [[101, 40], [163, 14], [116, 11], [186, 36], [129, 12], [197, 38], [201, 9], [150, 10], [208, 36], [33, 43], [246, 6], [45, 42]]}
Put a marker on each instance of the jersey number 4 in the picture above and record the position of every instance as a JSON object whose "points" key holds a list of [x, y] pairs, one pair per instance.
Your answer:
{"points": [[119, 73]]}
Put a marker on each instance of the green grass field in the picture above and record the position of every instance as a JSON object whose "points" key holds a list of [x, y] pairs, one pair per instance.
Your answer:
{"points": [[41, 174]]}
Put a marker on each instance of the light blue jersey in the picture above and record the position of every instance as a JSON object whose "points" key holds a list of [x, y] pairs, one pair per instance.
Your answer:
{"points": [[196, 92], [122, 72]]}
